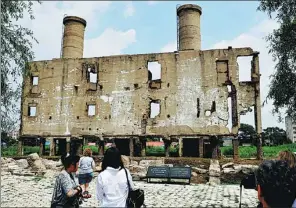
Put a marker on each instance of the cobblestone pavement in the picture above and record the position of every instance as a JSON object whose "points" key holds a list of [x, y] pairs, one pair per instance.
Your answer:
{"points": [[30, 191]]}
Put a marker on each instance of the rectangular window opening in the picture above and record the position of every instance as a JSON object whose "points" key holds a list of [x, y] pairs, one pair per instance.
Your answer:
{"points": [[244, 64], [198, 108], [93, 77], [35, 80], [91, 110], [213, 108], [154, 71], [32, 111], [154, 109]]}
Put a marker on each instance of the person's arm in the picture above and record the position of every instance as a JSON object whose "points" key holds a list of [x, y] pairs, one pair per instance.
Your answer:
{"points": [[93, 165], [99, 189], [67, 187]]}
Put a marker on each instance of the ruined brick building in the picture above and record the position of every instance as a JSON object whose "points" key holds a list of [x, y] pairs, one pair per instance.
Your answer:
{"points": [[72, 99]]}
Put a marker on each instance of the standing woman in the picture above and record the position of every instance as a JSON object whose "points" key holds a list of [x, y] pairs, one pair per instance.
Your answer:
{"points": [[86, 168], [112, 187], [66, 191]]}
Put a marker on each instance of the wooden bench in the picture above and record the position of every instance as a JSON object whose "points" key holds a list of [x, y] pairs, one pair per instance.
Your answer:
{"points": [[168, 173]]}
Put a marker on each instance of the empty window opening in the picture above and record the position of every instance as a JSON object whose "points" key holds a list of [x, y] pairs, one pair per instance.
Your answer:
{"points": [[244, 68], [190, 147], [229, 124], [155, 69], [35, 81], [91, 110], [247, 116], [208, 113], [136, 86], [154, 109], [213, 108], [50, 117], [76, 90], [198, 108], [93, 77], [229, 88], [77, 117], [32, 110], [127, 88]]}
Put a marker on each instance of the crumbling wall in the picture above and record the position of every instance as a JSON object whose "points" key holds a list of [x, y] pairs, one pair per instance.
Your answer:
{"points": [[192, 93]]}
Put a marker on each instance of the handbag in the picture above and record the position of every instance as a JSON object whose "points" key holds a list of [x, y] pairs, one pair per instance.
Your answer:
{"points": [[135, 198]]}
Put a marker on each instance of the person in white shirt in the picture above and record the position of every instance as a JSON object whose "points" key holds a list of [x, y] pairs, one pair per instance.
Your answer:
{"points": [[112, 187]]}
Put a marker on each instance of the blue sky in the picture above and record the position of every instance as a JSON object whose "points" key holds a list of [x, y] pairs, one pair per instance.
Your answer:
{"points": [[157, 23], [145, 27]]}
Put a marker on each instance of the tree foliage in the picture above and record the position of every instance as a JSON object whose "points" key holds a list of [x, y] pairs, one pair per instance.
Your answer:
{"points": [[247, 134], [274, 135], [282, 47], [16, 51]]}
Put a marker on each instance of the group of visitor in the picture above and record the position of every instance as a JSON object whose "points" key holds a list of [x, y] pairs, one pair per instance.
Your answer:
{"points": [[112, 187], [275, 181]]}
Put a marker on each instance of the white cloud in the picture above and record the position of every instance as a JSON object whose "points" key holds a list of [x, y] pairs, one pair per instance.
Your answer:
{"points": [[110, 42], [170, 47], [129, 9], [152, 2]]}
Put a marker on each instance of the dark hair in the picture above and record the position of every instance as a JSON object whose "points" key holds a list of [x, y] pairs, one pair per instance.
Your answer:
{"points": [[68, 160], [277, 182], [112, 158]]}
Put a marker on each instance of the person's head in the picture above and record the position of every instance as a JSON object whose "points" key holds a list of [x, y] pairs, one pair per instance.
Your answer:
{"points": [[276, 184], [87, 152], [112, 158], [289, 157], [70, 162]]}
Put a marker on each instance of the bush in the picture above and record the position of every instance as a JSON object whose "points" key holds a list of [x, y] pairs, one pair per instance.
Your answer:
{"points": [[160, 151], [268, 152], [12, 150]]}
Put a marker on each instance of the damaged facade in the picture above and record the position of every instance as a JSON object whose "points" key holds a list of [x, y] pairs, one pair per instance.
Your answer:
{"points": [[73, 99]]}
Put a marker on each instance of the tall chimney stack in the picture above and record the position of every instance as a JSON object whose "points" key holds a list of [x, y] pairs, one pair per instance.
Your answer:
{"points": [[189, 27], [73, 39]]}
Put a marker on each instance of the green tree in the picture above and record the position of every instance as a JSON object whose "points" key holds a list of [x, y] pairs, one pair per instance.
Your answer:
{"points": [[247, 133], [282, 47], [16, 45], [274, 135]]}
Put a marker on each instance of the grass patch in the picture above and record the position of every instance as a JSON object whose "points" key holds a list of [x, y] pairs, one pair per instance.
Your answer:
{"points": [[251, 151], [12, 150]]}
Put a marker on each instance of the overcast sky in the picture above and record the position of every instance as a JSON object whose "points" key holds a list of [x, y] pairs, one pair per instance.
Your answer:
{"points": [[145, 27]]}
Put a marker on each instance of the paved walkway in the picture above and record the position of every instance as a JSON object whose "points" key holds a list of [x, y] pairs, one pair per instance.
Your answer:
{"points": [[29, 191]]}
